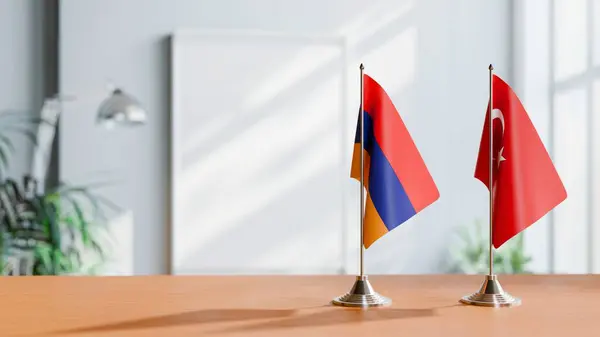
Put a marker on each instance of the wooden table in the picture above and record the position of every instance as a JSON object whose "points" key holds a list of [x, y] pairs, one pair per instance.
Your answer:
{"points": [[291, 306]]}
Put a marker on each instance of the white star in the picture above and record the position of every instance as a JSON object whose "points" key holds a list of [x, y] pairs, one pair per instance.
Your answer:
{"points": [[500, 158]]}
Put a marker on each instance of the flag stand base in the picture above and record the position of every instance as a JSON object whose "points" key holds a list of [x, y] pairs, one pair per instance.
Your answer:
{"points": [[361, 295], [491, 294]]}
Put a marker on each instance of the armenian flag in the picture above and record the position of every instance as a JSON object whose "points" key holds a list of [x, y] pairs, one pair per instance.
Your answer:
{"points": [[397, 181]]}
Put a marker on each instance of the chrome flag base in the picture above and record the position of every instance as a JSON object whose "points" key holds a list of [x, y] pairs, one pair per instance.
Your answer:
{"points": [[361, 295], [491, 294]]}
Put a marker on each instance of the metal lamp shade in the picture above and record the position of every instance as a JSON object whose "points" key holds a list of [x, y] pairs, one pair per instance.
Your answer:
{"points": [[120, 109]]}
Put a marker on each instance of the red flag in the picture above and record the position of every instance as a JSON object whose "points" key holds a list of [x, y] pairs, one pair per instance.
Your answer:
{"points": [[526, 184]]}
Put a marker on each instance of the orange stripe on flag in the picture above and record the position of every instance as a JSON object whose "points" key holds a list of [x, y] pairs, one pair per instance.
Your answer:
{"points": [[374, 228], [355, 169]]}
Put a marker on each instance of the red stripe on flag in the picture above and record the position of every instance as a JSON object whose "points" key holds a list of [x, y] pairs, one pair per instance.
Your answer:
{"points": [[398, 147]]}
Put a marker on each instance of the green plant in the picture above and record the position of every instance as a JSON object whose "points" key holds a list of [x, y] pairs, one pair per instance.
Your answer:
{"points": [[63, 228], [60, 231], [472, 255]]}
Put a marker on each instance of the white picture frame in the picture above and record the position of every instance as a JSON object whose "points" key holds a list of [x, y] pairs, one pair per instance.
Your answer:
{"points": [[217, 254]]}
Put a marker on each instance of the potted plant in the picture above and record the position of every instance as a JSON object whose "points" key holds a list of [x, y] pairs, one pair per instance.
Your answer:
{"points": [[471, 256], [55, 232]]}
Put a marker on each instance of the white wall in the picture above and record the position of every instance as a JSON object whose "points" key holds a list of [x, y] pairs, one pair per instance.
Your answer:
{"points": [[431, 56], [21, 68]]}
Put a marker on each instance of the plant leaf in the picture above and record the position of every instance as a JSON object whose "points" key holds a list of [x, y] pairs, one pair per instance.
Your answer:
{"points": [[44, 255], [98, 249], [3, 160], [50, 214], [8, 207], [83, 224], [5, 140]]}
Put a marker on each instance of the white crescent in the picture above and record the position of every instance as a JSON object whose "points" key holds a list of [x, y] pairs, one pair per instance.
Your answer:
{"points": [[496, 113]]}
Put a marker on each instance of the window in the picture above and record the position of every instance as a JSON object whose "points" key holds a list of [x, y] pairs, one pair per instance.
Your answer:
{"points": [[557, 70]]}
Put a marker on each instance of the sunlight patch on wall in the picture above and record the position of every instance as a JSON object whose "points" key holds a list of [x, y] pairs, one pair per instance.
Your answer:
{"points": [[375, 18], [394, 64], [281, 78]]}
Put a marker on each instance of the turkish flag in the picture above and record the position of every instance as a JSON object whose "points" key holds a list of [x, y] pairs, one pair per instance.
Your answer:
{"points": [[526, 185]]}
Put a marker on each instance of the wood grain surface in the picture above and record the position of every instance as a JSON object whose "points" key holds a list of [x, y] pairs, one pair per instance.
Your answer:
{"points": [[292, 306]]}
